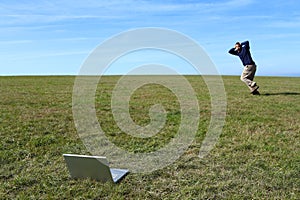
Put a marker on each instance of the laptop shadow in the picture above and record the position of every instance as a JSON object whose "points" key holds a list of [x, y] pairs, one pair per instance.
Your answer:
{"points": [[281, 93]]}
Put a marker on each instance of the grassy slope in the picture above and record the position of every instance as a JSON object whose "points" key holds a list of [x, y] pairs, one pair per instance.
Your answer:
{"points": [[257, 156]]}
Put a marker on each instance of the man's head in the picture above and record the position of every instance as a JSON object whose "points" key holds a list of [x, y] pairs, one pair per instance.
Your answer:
{"points": [[237, 46]]}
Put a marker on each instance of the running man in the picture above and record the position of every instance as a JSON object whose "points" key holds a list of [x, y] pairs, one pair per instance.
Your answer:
{"points": [[243, 51]]}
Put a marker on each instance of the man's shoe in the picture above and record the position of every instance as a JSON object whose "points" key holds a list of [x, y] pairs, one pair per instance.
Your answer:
{"points": [[256, 92]]}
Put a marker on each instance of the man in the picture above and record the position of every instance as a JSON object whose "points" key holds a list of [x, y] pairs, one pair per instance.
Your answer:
{"points": [[243, 51]]}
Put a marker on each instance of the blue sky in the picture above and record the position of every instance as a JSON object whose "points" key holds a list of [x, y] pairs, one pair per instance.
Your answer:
{"points": [[41, 37]]}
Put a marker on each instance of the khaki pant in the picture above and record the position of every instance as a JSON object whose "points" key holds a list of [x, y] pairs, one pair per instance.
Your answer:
{"points": [[248, 75]]}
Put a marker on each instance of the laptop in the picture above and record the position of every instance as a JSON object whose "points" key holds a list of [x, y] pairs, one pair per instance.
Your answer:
{"points": [[94, 167]]}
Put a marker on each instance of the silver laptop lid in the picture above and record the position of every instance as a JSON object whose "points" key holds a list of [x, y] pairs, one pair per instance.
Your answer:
{"points": [[83, 166]]}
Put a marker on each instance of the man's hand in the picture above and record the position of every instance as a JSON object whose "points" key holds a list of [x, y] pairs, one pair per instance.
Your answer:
{"points": [[237, 46]]}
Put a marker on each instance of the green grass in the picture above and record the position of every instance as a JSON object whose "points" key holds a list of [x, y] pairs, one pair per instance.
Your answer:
{"points": [[256, 157]]}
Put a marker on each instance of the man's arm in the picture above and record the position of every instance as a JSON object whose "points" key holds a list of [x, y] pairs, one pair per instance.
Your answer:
{"points": [[246, 44], [233, 51]]}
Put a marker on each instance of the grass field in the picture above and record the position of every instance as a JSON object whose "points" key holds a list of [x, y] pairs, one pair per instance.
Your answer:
{"points": [[257, 155]]}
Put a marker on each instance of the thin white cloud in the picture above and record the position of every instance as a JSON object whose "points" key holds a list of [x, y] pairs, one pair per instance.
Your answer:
{"points": [[45, 19], [160, 6], [277, 35], [39, 55], [287, 23], [15, 42], [55, 11], [176, 6]]}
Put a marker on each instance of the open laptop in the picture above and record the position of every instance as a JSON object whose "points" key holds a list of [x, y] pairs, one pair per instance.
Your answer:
{"points": [[94, 167]]}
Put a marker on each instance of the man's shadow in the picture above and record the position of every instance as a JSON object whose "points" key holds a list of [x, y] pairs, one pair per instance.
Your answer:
{"points": [[281, 93]]}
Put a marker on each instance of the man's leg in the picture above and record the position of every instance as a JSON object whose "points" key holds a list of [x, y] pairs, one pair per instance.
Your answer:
{"points": [[248, 76]]}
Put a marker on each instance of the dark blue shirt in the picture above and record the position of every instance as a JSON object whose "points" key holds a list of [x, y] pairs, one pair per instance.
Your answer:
{"points": [[244, 54]]}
